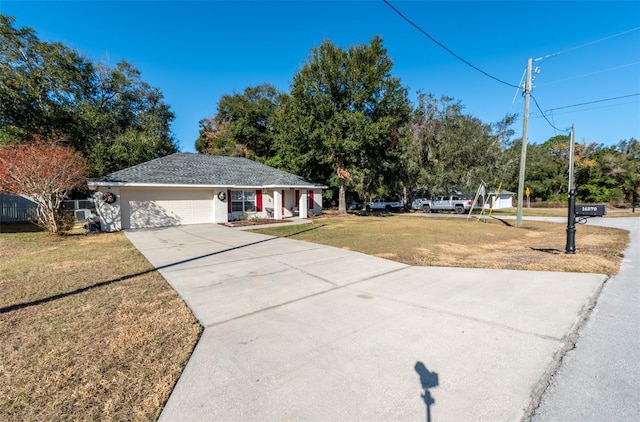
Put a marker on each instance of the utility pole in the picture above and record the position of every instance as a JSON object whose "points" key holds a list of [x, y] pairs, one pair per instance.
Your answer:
{"points": [[523, 154], [571, 153]]}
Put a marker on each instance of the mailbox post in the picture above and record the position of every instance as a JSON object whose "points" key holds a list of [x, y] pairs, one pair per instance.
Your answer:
{"points": [[583, 211], [571, 224]]}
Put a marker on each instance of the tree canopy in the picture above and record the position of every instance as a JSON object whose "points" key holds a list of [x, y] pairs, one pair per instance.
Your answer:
{"points": [[343, 115], [242, 126], [445, 149], [50, 91]]}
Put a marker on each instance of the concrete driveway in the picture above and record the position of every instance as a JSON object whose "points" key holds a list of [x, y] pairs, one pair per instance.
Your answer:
{"points": [[299, 331]]}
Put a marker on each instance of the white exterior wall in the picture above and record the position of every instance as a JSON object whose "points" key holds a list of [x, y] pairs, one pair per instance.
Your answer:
{"points": [[268, 203], [220, 207], [316, 209], [289, 202], [110, 214], [504, 201], [501, 202]]}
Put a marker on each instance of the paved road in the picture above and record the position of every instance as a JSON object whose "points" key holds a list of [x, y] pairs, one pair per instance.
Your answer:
{"points": [[299, 331], [599, 380]]}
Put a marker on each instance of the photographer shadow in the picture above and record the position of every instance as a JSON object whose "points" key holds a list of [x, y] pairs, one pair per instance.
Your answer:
{"points": [[428, 380]]}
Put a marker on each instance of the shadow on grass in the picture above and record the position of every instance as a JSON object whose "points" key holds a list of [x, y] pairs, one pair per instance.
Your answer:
{"points": [[505, 222], [547, 250], [304, 231], [373, 213], [24, 305], [20, 228]]}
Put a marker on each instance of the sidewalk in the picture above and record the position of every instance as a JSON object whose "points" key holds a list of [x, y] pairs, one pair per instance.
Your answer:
{"points": [[299, 331]]}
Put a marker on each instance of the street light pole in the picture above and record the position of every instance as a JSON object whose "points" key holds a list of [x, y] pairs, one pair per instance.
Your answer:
{"points": [[572, 141], [523, 154]]}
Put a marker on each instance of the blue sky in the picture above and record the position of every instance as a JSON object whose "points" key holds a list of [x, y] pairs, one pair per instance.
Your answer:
{"points": [[195, 52]]}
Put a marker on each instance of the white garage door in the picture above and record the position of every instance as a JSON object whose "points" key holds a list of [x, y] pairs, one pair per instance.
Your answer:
{"points": [[165, 207]]}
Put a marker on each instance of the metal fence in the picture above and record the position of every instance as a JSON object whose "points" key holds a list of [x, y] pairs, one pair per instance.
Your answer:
{"points": [[16, 209], [20, 209]]}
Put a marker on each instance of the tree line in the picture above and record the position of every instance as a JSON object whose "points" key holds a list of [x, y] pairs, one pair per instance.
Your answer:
{"points": [[346, 121]]}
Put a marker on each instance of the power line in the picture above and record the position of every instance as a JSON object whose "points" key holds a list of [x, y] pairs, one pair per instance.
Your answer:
{"points": [[590, 74], [445, 47], [587, 44], [594, 102], [545, 117], [590, 108]]}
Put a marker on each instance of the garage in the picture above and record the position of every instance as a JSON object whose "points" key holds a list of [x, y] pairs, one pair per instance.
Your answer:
{"points": [[165, 207]]}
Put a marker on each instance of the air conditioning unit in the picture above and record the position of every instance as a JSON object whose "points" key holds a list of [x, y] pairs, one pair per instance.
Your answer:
{"points": [[82, 214]]}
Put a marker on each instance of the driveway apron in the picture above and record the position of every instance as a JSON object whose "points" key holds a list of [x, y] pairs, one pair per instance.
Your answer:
{"points": [[299, 331]]}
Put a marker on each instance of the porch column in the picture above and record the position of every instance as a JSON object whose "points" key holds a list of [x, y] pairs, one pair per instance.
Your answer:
{"points": [[303, 205], [277, 204]]}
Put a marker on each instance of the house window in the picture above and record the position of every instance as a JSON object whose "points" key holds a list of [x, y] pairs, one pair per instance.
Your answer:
{"points": [[243, 200]]}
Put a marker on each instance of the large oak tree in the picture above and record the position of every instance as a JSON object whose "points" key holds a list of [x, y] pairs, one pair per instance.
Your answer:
{"points": [[342, 115]]}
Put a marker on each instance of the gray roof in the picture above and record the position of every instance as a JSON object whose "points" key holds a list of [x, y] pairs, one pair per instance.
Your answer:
{"points": [[502, 192], [203, 170]]}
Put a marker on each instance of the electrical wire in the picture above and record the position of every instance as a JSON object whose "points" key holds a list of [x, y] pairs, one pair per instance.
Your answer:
{"points": [[545, 117], [594, 102], [590, 74], [445, 47], [515, 95], [586, 44], [594, 108]]}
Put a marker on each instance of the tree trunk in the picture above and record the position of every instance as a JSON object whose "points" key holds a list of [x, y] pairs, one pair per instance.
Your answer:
{"points": [[343, 174], [405, 192], [342, 202]]}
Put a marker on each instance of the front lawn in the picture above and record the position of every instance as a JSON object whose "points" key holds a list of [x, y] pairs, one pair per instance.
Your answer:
{"points": [[90, 331], [458, 242]]}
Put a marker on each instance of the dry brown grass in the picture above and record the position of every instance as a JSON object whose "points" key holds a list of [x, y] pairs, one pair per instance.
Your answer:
{"points": [[90, 331], [455, 242]]}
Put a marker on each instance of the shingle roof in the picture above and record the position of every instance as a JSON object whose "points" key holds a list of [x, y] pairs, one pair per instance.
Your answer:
{"points": [[198, 169]]}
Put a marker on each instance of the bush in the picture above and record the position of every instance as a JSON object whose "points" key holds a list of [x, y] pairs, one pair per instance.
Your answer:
{"points": [[65, 221]]}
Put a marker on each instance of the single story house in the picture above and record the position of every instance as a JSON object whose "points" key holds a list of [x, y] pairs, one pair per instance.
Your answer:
{"points": [[189, 188], [503, 199]]}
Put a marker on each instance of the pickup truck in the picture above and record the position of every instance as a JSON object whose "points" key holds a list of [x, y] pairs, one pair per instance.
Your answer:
{"points": [[458, 203], [386, 204]]}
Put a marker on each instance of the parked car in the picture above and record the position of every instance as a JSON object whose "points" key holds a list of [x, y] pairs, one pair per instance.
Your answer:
{"points": [[354, 206], [454, 202], [386, 204], [418, 198]]}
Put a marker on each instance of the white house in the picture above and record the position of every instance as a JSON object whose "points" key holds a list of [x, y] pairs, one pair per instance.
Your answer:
{"points": [[503, 200], [188, 188]]}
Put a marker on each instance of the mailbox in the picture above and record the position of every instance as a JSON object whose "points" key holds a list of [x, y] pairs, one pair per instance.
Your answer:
{"points": [[583, 210]]}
